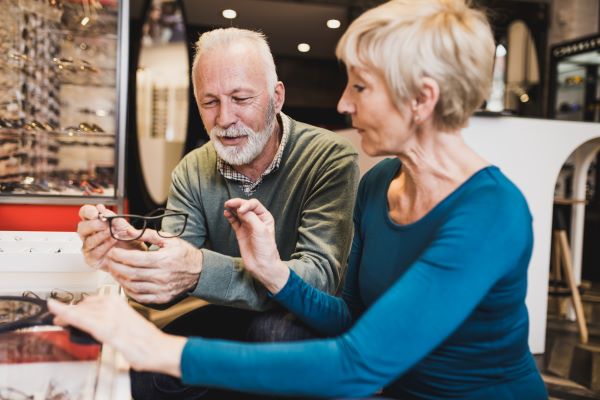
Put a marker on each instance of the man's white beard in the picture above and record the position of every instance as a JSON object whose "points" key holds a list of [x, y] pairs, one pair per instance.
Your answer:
{"points": [[255, 142]]}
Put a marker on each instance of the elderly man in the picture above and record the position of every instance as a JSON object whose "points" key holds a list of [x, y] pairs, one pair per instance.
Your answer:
{"points": [[305, 176]]}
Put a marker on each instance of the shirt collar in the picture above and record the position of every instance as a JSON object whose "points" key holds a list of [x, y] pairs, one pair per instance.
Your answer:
{"points": [[249, 186]]}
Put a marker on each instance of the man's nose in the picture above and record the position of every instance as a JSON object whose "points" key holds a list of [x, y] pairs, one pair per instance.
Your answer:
{"points": [[226, 116]]}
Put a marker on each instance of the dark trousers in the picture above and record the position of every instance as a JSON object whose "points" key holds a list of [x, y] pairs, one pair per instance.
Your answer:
{"points": [[224, 323]]}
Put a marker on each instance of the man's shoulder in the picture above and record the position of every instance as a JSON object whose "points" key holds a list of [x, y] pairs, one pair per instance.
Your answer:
{"points": [[199, 156], [200, 161], [310, 137]]}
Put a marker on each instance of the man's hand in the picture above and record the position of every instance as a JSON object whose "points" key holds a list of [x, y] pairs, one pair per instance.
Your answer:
{"points": [[110, 320], [95, 235], [156, 276], [254, 228]]}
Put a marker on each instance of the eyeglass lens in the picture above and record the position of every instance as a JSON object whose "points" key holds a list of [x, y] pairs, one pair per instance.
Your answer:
{"points": [[167, 223]]}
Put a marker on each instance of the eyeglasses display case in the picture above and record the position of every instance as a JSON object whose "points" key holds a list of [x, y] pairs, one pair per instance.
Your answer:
{"points": [[45, 361], [63, 68]]}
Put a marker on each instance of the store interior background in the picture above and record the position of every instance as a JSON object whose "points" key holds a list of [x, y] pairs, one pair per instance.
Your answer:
{"points": [[532, 79], [530, 82], [158, 135]]}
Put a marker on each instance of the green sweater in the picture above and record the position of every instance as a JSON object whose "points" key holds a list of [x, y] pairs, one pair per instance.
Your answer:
{"points": [[311, 196]]}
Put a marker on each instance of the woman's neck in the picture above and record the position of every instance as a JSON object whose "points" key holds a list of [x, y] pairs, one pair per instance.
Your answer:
{"points": [[434, 164]]}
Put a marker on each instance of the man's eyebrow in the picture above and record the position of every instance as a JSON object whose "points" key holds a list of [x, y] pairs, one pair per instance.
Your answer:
{"points": [[241, 89], [235, 91]]}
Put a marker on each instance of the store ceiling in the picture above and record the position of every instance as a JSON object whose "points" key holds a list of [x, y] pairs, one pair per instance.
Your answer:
{"points": [[286, 23]]}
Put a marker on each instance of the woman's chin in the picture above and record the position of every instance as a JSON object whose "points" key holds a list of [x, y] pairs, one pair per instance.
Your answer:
{"points": [[370, 150]]}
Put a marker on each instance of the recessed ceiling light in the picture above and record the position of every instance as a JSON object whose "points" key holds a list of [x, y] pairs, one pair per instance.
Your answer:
{"points": [[333, 23], [229, 13], [500, 51], [303, 47]]}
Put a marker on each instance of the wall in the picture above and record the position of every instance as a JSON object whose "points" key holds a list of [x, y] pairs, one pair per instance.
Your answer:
{"points": [[530, 152]]}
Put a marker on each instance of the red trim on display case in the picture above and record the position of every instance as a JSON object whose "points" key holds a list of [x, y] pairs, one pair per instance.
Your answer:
{"points": [[34, 217]]}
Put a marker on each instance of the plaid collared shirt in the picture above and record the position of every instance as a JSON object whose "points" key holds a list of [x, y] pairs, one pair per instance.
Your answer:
{"points": [[247, 185]]}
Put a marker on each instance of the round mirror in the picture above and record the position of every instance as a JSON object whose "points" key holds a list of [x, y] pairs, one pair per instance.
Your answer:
{"points": [[162, 85]]}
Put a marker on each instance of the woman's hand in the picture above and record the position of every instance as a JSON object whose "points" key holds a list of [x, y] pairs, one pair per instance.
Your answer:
{"points": [[254, 228], [110, 320]]}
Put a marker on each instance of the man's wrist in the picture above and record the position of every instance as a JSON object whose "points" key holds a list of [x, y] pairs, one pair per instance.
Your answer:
{"points": [[196, 264]]}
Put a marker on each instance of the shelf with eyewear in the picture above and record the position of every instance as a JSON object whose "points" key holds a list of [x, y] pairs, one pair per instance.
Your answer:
{"points": [[62, 101]]}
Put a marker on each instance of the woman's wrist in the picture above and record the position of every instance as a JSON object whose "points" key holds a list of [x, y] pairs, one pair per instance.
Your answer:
{"points": [[168, 350], [278, 277]]}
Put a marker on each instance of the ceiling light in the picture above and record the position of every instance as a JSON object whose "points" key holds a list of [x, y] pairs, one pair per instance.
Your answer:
{"points": [[333, 23], [229, 13], [303, 47], [500, 51]]}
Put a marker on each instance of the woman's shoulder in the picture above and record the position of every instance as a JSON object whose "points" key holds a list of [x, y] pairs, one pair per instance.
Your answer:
{"points": [[383, 170], [491, 189], [378, 177]]}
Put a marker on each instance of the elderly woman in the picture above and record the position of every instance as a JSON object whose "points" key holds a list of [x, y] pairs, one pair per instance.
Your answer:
{"points": [[433, 304]]}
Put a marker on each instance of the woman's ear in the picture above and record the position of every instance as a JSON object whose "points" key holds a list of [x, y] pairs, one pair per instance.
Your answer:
{"points": [[428, 96]]}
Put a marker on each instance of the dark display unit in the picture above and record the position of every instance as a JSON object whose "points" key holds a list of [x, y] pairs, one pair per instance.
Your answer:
{"points": [[574, 84]]}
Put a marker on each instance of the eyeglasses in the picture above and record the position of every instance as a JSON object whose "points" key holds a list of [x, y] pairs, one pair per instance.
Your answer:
{"points": [[128, 227], [9, 393]]}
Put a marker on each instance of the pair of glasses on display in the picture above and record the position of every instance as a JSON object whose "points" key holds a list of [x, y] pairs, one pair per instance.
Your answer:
{"points": [[128, 227], [29, 310], [52, 393]]}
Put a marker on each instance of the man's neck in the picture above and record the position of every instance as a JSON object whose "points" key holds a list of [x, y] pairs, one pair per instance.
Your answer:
{"points": [[259, 165]]}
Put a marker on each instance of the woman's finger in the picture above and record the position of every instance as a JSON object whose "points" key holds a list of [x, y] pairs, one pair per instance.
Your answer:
{"points": [[233, 219]]}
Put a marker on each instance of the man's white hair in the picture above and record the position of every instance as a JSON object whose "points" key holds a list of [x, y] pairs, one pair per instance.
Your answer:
{"points": [[224, 37]]}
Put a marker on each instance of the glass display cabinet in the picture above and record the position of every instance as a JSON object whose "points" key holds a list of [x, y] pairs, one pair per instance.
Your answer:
{"points": [[62, 105], [574, 83]]}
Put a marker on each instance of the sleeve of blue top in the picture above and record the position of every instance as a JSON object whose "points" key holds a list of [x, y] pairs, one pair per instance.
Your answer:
{"points": [[483, 240], [325, 313]]}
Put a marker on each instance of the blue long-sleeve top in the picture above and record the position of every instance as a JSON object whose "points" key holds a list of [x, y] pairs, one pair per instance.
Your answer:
{"points": [[430, 309]]}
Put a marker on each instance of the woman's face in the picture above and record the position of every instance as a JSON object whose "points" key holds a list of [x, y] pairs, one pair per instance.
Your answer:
{"points": [[383, 128]]}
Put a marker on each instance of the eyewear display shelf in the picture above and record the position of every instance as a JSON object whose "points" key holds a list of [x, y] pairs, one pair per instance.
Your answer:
{"points": [[63, 80], [44, 362]]}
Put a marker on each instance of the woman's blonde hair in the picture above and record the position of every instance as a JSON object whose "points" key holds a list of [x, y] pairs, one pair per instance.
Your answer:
{"points": [[406, 40]]}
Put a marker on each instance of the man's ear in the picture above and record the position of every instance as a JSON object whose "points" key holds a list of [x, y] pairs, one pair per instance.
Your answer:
{"points": [[279, 96], [428, 96]]}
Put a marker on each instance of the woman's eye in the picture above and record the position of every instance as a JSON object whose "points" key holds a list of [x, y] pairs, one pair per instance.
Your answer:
{"points": [[209, 103], [358, 88]]}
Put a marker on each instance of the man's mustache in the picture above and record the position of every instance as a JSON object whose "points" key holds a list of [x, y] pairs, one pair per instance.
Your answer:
{"points": [[231, 132]]}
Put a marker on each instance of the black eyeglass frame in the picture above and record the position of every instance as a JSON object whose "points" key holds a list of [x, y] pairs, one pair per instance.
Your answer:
{"points": [[41, 317], [166, 212]]}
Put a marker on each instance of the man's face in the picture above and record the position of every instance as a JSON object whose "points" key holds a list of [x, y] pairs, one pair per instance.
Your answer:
{"points": [[237, 106]]}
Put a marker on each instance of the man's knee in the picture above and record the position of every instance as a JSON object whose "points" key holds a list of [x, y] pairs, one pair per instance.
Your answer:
{"points": [[153, 386], [278, 326]]}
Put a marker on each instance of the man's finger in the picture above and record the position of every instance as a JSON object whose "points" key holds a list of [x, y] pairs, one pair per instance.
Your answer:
{"points": [[129, 273], [145, 288], [89, 227], [97, 239], [135, 258], [151, 236], [88, 212]]}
